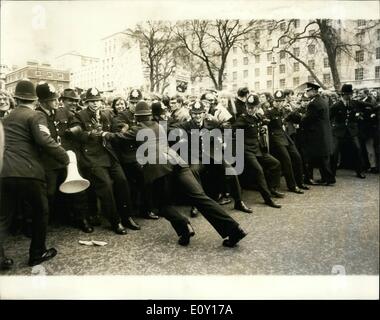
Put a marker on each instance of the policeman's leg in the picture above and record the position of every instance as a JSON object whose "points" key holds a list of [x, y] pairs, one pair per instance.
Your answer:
{"points": [[296, 164], [357, 151], [254, 167], [282, 154], [272, 170], [51, 185], [103, 187], [213, 212], [337, 145]]}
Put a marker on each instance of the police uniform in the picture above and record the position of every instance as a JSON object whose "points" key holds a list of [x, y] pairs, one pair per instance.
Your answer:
{"points": [[100, 165], [283, 148], [264, 168], [167, 177], [23, 175]]}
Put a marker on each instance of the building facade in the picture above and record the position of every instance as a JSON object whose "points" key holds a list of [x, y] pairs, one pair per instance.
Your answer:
{"points": [[36, 73]]}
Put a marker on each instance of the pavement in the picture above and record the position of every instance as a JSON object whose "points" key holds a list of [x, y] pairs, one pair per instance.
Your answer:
{"points": [[310, 235]]}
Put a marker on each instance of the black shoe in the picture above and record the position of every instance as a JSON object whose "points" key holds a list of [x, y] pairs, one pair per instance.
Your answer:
{"points": [[374, 170], [184, 239], [296, 190], [5, 263], [272, 204], [304, 187], [150, 215], [95, 220], [234, 238], [277, 194], [47, 255], [85, 226], [223, 201], [193, 212], [119, 229], [131, 224], [360, 175], [240, 205], [310, 182]]}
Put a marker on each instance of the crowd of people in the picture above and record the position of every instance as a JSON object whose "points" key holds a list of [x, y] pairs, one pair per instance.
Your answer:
{"points": [[285, 135]]}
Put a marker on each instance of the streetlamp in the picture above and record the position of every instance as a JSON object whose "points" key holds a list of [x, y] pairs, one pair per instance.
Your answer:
{"points": [[273, 63]]}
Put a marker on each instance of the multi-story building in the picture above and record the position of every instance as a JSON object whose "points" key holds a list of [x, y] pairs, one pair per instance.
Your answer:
{"points": [[36, 72], [261, 70], [4, 69]]}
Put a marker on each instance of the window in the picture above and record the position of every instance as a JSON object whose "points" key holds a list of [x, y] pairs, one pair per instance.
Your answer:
{"points": [[257, 58], [257, 72], [245, 61], [38, 73], [296, 66], [282, 83], [311, 48], [234, 62], [296, 52], [234, 49], [282, 26], [361, 23], [378, 34], [377, 72], [282, 68], [257, 86], [326, 78], [378, 53], [296, 23], [245, 73], [296, 81], [234, 75], [282, 54], [282, 40], [269, 56], [325, 62], [359, 56], [60, 75], [269, 84], [311, 64], [269, 71], [359, 74], [257, 34], [245, 47], [49, 74], [310, 78]]}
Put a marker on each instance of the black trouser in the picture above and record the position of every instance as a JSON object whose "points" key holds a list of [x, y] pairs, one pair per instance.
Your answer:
{"points": [[264, 168], [61, 205], [112, 189], [34, 193], [307, 168], [356, 152], [135, 175], [217, 172], [323, 163], [291, 164], [183, 179]]}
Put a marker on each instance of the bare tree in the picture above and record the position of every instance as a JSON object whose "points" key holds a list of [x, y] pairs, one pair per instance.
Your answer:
{"points": [[318, 30], [157, 45], [211, 42]]}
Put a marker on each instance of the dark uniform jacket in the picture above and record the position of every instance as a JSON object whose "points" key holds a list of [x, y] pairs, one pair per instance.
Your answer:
{"points": [[346, 119], [27, 137], [156, 142], [240, 107], [277, 135], [125, 149], [317, 128], [94, 151], [254, 140]]}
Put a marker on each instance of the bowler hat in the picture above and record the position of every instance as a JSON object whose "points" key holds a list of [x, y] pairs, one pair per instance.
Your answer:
{"points": [[347, 89], [25, 90], [143, 109]]}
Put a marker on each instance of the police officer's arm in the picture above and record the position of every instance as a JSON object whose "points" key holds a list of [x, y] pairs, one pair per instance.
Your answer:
{"points": [[41, 135], [313, 114], [77, 131], [240, 123]]}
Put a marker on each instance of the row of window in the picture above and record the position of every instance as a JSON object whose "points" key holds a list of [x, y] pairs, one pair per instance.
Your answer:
{"points": [[359, 73], [359, 55], [37, 73]]}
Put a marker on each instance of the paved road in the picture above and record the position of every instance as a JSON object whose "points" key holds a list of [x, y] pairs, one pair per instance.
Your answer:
{"points": [[327, 226]]}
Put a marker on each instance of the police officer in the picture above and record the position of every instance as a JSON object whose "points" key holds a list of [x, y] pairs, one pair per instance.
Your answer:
{"points": [[23, 175], [258, 162], [100, 164], [282, 146], [134, 96], [317, 132], [176, 175], [346, 116]]}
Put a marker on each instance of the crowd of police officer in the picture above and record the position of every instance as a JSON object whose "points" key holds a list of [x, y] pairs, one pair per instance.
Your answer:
{"points": [[284, 135]]}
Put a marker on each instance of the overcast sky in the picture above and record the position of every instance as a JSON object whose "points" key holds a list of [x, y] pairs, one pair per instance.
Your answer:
{"points": [[43, 30]]}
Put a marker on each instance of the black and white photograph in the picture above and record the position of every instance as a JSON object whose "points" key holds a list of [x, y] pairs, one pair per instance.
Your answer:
{"points": [[223, 150]]}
